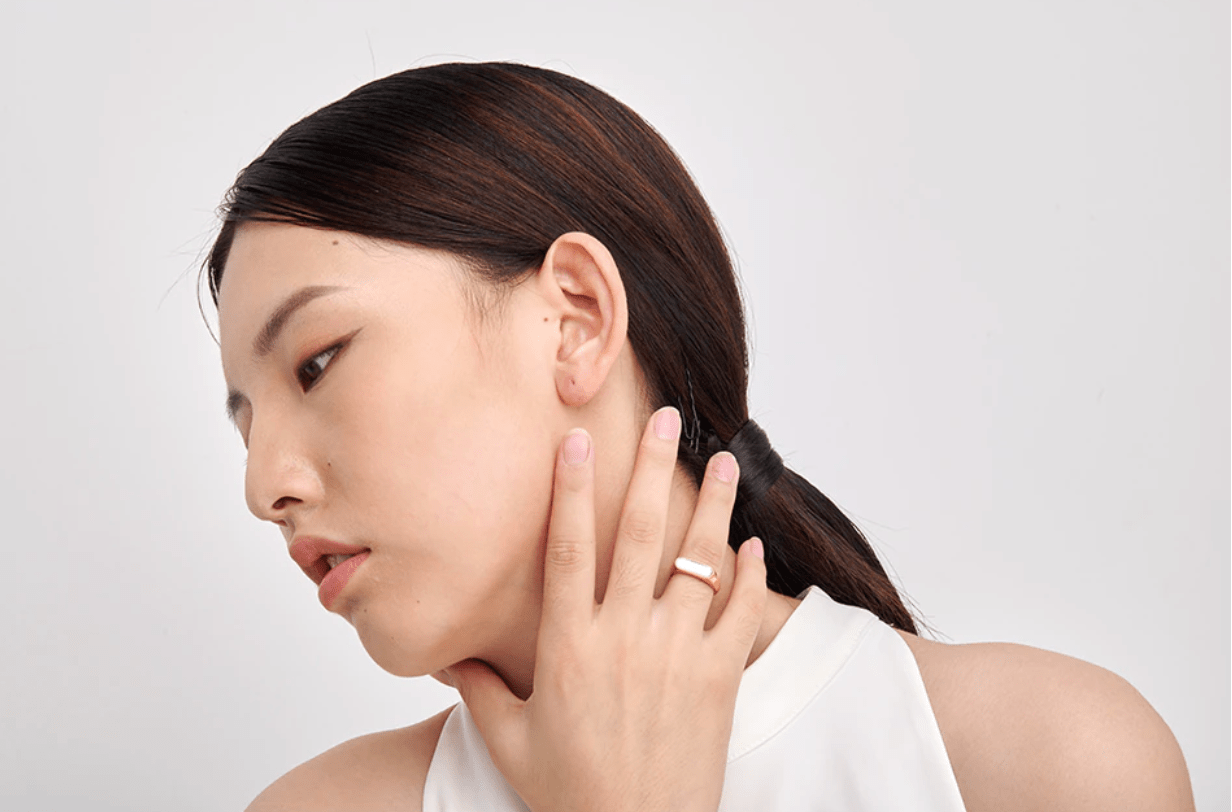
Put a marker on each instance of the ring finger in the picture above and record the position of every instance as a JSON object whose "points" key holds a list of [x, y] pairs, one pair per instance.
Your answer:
{"points": [[705, 541]]}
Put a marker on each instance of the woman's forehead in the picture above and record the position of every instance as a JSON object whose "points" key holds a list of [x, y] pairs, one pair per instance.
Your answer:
{"points": [[271, 263], [266, 259]]}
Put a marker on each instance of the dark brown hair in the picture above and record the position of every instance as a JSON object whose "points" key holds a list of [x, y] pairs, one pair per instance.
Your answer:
{"points": [[493, 162]]}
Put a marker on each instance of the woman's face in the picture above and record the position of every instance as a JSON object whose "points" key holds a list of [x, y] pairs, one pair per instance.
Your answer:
{"points": [[379, 416]]}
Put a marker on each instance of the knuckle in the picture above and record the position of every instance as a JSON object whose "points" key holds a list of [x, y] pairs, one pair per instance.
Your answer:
{"points": [[684, 667], [712, 542], [696, 595], [570, 676], [562, 672], [749, 611], [569, 665], [747, 625], [704, 548], [565, 554], [625, 580], [640, 527]]}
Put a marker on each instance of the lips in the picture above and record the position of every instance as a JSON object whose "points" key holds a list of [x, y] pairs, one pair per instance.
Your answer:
{"points": [[313, 555]]}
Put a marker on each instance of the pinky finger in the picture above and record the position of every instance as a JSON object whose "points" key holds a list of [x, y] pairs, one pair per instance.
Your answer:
{"points": [[741, 619]]}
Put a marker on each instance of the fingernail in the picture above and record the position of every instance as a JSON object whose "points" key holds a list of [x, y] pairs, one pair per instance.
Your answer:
{"points": [[755, 546], [725, 467], [667, 424], [577, 447]]}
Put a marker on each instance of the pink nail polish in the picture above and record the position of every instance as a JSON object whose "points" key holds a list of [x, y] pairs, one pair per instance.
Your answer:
{"points": [[667, 424], [757, 548], [577, 448], [725, 467]]}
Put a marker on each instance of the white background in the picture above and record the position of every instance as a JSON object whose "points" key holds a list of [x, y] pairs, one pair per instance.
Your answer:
{"points": [[986, 249]]}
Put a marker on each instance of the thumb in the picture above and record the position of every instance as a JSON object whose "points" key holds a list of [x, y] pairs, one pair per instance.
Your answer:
{"points": [[496, 710]]}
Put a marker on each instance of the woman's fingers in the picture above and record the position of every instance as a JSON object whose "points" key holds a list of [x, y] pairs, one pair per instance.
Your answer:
{"points": [[741, 619], [568, 606], [638, 548], [569, 558], [495, 708], [610, 683], [706, 539]]}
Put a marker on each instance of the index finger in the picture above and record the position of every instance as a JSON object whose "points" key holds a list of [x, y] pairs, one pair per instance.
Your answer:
{"points": [[569, 558]]}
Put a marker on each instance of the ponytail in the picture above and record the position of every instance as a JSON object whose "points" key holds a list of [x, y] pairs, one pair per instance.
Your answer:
{"points": [[808, 540]]}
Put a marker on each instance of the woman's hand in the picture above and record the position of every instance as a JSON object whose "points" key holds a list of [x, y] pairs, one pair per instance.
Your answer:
{"points": [[633, 700]]}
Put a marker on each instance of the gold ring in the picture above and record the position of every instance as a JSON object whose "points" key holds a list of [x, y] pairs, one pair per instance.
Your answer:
{"points": [[699, 571]]}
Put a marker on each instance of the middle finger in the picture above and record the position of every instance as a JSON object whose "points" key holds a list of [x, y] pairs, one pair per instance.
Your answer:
{"points": [[643, 518]]}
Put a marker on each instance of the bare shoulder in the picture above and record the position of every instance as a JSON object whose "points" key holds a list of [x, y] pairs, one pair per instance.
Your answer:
{"points": [[379, 771], [1028, 729]]}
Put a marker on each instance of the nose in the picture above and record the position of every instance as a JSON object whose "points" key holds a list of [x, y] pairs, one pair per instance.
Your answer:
{"points": [[280, 479]]}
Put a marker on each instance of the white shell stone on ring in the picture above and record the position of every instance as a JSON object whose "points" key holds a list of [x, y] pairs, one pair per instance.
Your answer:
{"points": [[699, 571]]}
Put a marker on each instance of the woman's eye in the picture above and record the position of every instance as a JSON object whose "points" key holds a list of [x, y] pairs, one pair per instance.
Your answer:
{"points": [[312, 369]]}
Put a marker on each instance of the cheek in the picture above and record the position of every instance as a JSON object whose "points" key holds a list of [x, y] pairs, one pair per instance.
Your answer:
{"points": [[493, 444], [463, 457], [456, 478], [495, 469]]}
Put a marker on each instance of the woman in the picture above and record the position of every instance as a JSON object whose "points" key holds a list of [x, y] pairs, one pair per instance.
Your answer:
{"points": [[486, 349]]}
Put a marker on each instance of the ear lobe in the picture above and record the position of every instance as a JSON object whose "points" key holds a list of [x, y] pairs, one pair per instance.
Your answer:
{"points": [[582, 280]]}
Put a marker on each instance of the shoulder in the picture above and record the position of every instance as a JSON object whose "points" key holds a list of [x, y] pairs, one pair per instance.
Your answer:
{"points": [[379, 771], [1028, 729]]}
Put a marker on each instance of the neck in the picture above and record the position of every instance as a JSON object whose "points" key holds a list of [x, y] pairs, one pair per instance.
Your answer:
{"points": [[513, 658]]}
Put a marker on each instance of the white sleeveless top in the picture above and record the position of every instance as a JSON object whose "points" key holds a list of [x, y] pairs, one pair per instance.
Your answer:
{"points": [[832, 716]]}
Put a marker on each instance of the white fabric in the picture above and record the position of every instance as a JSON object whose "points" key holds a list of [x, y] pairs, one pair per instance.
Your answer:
{"points": [[832, 717]]}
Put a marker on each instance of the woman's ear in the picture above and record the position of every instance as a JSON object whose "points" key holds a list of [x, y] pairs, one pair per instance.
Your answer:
{"points": [[582, 283]]}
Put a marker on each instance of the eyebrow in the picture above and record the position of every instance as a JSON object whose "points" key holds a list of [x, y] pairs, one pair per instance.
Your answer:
{"points": [[264, 343]]}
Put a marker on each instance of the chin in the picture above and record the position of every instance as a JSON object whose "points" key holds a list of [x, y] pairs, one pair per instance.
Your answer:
{"points": [[398, 661], [398, 653]]}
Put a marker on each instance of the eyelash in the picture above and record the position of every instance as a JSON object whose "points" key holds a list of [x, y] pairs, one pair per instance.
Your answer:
{"points": [[303, 373]]}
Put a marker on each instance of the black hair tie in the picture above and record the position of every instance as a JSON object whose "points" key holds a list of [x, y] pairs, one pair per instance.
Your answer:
{"points": [[760, 464]]}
